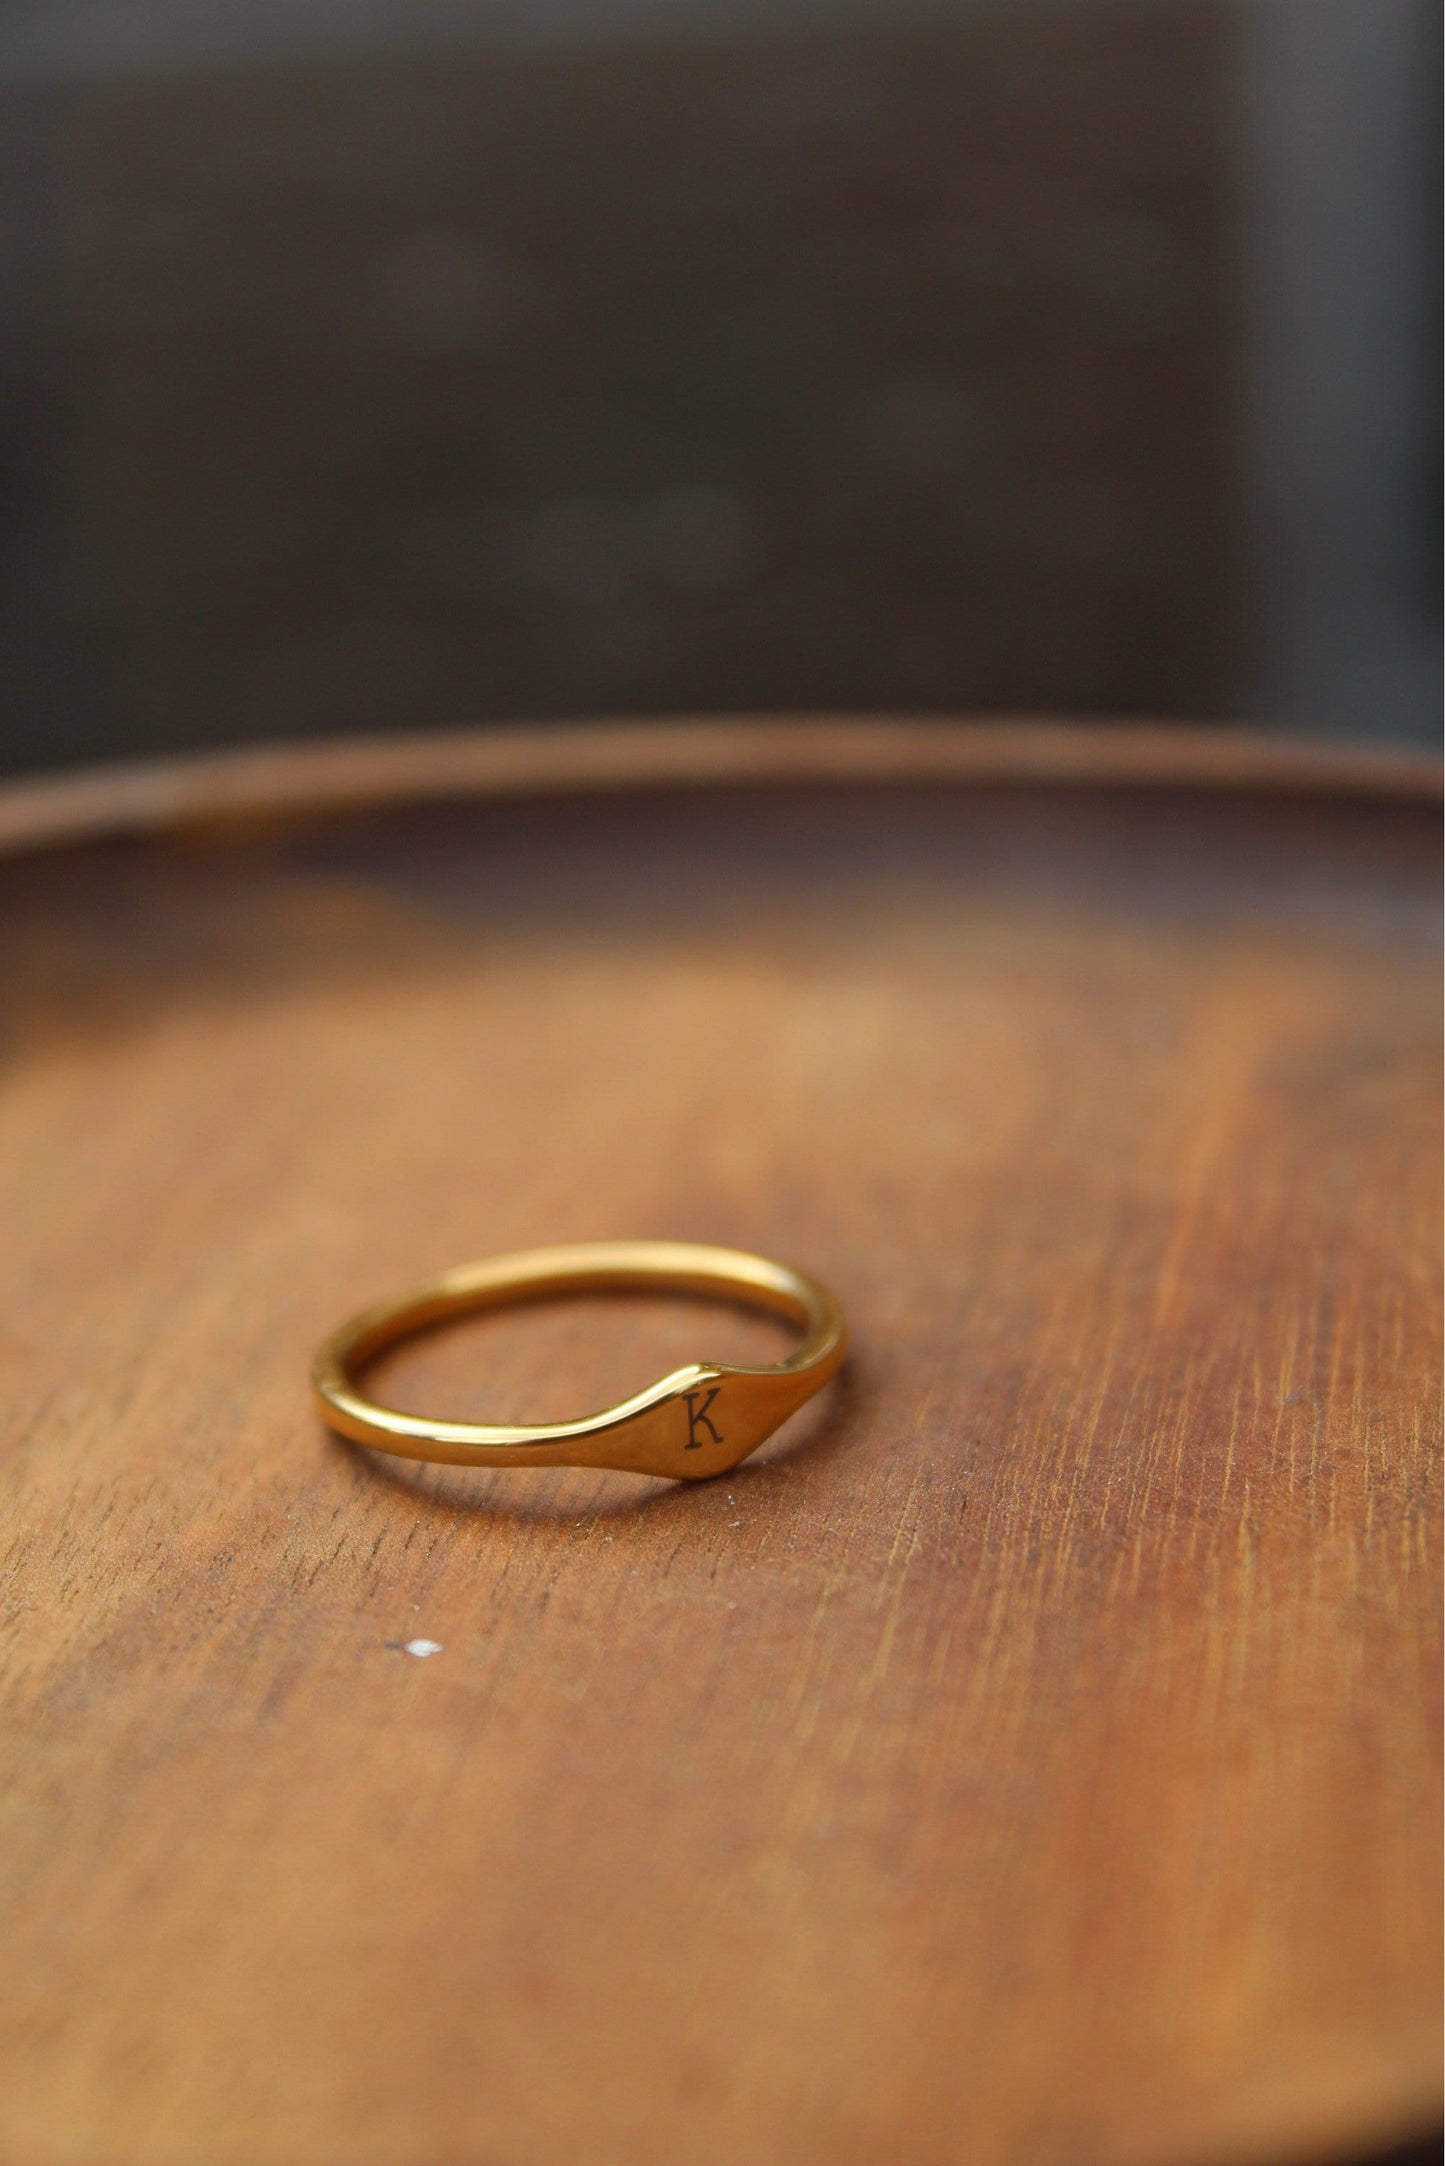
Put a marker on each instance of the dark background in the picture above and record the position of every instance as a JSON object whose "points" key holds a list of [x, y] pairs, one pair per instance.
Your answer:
{"points": [[368, 366]]}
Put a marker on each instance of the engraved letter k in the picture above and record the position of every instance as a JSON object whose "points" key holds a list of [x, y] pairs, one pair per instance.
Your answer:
{"points": [[697, 1417]]}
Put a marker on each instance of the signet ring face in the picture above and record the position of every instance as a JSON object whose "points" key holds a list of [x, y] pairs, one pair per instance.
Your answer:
{"points": [[699, 1421]]}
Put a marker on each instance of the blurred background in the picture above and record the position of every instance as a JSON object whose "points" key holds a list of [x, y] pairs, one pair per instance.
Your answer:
{"points": [[371, 365]]}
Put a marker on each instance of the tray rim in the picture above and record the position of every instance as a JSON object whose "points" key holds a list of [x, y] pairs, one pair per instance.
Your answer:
{"points": [[143, 797]]}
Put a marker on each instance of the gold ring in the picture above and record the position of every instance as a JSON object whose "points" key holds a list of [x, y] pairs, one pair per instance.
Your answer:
{"points": [[697, 1422]]}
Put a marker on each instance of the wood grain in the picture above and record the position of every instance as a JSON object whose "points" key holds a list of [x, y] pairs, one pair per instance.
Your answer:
{"points": [[1032, 1757]]}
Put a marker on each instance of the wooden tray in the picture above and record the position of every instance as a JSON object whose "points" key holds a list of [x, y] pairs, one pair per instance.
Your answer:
{"points": [[1031, 1757]]}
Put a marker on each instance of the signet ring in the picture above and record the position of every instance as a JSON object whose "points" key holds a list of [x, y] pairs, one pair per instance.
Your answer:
{"points": [[699, 1421]]}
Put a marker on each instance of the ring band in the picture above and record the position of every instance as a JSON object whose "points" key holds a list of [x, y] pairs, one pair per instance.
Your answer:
{"points": [[697, 1422]]}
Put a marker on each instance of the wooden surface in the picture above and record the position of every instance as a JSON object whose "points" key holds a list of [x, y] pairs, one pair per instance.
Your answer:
{"points": [[1032, 1757]]}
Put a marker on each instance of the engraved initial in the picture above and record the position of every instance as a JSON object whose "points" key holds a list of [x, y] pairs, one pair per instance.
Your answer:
{"points": [[697, 1417]]}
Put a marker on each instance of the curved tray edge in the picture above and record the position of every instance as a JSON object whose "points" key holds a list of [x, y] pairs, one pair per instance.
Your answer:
{"points": [[545, 759]]}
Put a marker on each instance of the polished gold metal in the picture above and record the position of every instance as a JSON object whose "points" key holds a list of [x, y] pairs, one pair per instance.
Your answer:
{"points": [[697, 1422]]}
